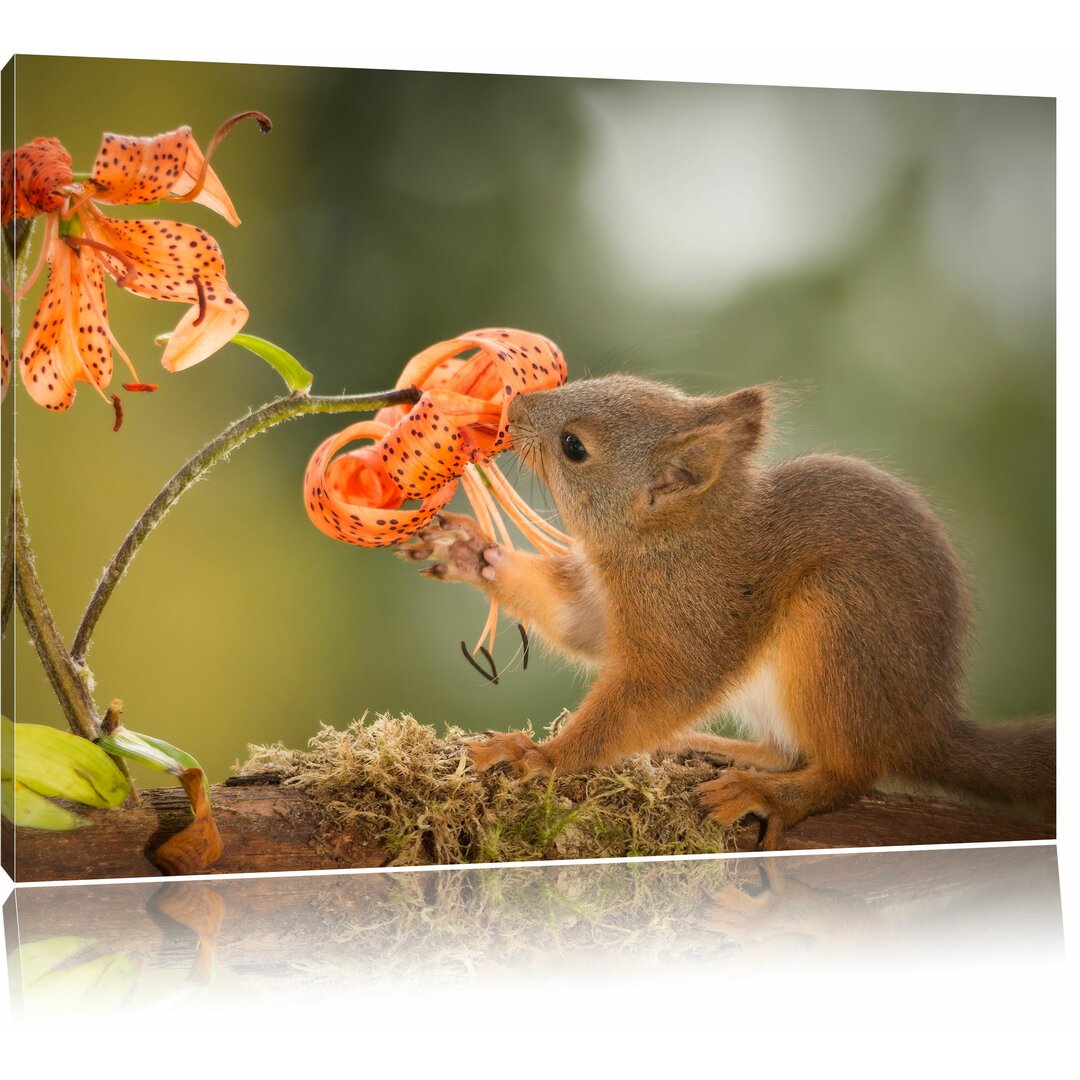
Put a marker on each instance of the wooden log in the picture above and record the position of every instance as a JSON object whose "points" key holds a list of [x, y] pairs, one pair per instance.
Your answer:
{"points": [[267, 827]]}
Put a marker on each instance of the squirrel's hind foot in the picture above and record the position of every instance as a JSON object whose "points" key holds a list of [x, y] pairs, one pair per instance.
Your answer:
{"points": [[780, 799], [512, 751], [738, 794]]}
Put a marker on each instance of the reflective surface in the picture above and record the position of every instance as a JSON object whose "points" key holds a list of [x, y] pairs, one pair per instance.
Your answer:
{"points": [[139, 946]]}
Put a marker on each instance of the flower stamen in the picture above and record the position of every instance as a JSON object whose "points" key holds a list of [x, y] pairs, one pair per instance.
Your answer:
{"points": [[130, 269], [540, 533], [252, 114], [201, 290]]}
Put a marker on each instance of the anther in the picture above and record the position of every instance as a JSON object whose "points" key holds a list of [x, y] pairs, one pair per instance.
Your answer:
{"points": [[201, 290], [525, 646], [265, 126], [493, 675]]}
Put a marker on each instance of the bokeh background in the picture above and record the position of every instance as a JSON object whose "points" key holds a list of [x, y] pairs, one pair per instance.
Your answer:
{"points": [[888, 256]]}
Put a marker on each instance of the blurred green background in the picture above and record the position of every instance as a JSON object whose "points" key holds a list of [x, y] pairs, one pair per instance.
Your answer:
{"points": [[888, 256]]}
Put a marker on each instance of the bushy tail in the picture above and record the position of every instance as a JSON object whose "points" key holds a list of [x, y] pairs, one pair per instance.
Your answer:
{"points": [[1015, 762]]}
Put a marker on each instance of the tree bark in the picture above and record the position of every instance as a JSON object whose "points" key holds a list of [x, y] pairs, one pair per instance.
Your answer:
{"points": [[266, 827]]}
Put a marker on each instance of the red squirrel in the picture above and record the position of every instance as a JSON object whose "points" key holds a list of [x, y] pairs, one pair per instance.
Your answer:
{"points": [[818, 599]]}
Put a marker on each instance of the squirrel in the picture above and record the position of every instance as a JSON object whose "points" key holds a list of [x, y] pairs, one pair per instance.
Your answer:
{"points": [[818, 599]]}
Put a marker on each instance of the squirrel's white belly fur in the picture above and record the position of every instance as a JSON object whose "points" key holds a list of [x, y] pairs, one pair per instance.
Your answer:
{"points": [[757, 703]]}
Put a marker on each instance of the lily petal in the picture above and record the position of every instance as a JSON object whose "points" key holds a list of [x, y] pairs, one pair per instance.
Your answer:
{"points": [[158, 259], [130, 169], [204, 330], [351, 498], [213, 193], [168, 260], [510, 362], [501, 364], [433, 443], [68, 341]]}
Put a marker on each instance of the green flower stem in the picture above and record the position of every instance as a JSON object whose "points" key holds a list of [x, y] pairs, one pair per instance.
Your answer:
{"points": [[67, 679], [286, 408], [7, 564], [71, 681]]}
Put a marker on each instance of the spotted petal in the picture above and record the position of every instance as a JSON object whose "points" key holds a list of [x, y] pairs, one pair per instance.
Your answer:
{"points": [[68, 341], [351, 498], [202, 331], [129, 169], [168, 260], [499, 364], [517, 361]]}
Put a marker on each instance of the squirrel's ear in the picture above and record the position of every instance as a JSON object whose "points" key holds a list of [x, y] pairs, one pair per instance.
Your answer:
{"points": [[687, 463], [692, 461], [744, 413]]}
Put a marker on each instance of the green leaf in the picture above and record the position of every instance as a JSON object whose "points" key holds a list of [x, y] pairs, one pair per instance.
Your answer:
{"points": [[60, 765], [182, 757], [29, 809], [156, 753], [132, 745], [296, 376]]}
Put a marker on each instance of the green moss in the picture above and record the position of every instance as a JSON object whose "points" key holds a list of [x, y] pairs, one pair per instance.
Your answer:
{"points": [[417, 795]]}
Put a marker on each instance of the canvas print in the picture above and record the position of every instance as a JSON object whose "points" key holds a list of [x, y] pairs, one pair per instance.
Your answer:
{"points": [[408, 468]]}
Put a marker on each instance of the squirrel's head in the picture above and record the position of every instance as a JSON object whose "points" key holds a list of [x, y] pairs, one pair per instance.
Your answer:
{"points": [[622, 452]]}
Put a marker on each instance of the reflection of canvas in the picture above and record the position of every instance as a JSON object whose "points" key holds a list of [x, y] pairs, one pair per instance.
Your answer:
{"points": [[886, 257], [358, 935]]}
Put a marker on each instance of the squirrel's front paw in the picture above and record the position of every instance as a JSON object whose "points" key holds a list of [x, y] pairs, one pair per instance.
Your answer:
{"points": [[457, 544], [513, 750]]}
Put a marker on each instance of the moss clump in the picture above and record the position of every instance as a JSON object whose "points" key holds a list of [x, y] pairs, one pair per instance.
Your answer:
{"points": [[416, 794]]}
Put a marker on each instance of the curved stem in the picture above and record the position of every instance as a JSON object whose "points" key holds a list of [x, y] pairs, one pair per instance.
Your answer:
{"points": [[63, 673], [286, 408]]}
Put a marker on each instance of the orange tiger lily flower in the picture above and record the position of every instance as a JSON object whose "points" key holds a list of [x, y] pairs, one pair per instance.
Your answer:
{"points": [[421, 452], [70, 340]]}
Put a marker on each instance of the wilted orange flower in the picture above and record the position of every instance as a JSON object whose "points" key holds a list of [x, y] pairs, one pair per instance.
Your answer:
{"points": [[420, 453], [70, 340]]}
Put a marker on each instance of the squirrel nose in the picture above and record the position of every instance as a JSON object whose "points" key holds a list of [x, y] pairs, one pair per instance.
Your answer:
{"points": [[514, 412]]}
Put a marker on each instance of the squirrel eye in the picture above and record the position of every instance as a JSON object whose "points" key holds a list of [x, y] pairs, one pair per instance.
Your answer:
{"points": [[573, 447]]}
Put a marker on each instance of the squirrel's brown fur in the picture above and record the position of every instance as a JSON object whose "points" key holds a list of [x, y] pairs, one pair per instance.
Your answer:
{"points": [[820, 598]]}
